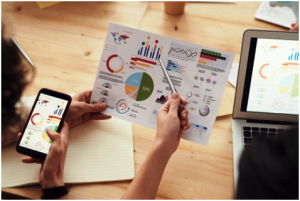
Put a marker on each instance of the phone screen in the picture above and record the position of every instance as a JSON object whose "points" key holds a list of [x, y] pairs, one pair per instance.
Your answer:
{"points": [[47, 112]]}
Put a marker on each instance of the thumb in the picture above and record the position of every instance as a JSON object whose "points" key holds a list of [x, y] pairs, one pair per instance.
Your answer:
{"points": [[51, 134], [98, 107], [174, 103]]}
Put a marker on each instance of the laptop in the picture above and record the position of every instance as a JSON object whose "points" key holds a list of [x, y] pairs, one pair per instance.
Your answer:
{"points": [[267, 93]]}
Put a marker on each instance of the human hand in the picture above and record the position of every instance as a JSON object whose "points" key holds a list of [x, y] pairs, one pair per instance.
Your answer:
{"points": [[52, 170], [295, 26], [169, 126], [81, 110]]}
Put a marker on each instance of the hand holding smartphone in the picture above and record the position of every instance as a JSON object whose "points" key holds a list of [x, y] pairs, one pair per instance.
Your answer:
{"points": [[48, 111]]}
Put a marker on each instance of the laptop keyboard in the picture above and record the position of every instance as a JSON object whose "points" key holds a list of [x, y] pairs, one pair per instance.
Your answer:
{"points": [[254, 132]]}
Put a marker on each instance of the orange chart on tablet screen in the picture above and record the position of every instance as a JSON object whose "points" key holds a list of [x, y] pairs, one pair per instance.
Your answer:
{"points": [[262, 75]]}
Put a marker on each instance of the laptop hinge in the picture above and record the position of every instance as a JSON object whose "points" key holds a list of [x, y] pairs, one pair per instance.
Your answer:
{"points": [[271, 122]]}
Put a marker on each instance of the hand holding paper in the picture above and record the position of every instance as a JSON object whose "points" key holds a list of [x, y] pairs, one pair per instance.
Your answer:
{"points": [[82, 111], [169, 126]]}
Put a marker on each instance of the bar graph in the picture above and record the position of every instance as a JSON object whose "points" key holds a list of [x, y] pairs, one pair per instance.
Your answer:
{"points": [[294, 56], [140, 63], [59, 110], [149, 49], [174, 66]]}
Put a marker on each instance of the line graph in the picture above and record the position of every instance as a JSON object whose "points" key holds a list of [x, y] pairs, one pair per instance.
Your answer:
{"points": [[188, 53], [183, 52]]}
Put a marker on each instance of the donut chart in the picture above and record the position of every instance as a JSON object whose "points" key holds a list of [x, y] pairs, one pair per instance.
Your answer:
{"points": [[114, 64], [278, 104], [139, 86], [122, 106], [266, 71], [36, 119], [204, 111], [39, 146], [189, 94]]}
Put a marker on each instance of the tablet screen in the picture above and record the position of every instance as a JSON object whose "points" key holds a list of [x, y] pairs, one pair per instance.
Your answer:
{"points": [[273, 83]]}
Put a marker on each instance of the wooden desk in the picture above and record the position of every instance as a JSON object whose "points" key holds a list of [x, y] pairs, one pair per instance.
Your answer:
{"points": [[65, 43]]}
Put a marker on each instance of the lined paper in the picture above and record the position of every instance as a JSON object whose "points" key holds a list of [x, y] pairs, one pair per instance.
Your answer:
{"points": [[100, 151], [14, 172]]}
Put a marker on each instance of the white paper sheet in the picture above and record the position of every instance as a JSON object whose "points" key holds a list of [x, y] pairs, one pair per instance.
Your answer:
{"points": [[232, 78], [283, 13], [130, 80]]}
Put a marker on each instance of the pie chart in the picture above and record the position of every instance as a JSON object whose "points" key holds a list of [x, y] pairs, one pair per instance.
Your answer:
{"points": [[45, 137], [289, 85], [139, 86]]}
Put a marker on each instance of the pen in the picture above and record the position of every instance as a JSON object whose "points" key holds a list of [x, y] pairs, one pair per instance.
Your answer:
{"points": [[21, 50], [169, 80]]}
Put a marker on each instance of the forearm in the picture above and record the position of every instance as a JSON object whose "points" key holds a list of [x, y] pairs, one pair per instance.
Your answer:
{"points": [[147, 180]]}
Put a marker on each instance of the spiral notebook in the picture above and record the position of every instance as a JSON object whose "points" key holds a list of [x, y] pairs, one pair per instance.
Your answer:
{"points": [[98, 151]]}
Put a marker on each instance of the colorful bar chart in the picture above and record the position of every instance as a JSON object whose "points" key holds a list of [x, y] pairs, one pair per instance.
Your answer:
{"points": [[53, 119], [59, 110], [140, 63], [175, 67], [290, 65], [155, 51]]}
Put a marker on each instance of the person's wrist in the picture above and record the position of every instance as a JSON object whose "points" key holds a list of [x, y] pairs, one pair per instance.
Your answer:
{"points": [[45, 184], [163, 147]]}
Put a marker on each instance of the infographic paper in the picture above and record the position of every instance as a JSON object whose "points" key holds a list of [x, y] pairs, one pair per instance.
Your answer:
{"points": [[130, 80]]}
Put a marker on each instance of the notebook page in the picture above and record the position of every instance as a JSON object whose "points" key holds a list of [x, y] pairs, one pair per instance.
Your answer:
{"points": [[14, 172], [100, 151]]}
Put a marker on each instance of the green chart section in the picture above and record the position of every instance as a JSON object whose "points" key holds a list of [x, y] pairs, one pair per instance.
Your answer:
{"points": [[295, 90], [289, 85]]}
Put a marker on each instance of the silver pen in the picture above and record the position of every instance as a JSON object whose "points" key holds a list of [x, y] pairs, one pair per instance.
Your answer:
{"points": [[169, 80], [21, 50]]}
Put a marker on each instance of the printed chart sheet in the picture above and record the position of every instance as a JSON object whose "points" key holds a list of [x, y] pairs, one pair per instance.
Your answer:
{"points": [[130, 80]]}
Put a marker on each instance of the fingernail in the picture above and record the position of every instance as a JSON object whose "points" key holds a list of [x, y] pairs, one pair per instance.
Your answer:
{"points": [[184, 115], [184, 128], [175, 95], [49, 129]]}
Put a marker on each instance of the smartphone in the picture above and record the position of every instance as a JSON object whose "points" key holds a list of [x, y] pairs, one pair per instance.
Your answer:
{"points": [[49, 110]]}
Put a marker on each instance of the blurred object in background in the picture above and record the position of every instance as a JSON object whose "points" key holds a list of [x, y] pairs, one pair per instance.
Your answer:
{"points": [[174, 7], [46, 4]]}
